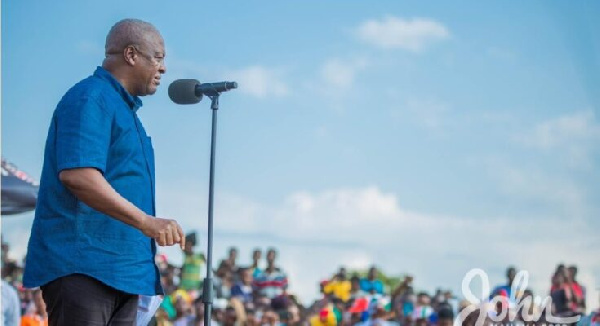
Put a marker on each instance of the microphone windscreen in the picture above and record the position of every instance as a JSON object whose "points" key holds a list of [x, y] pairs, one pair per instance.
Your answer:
{"points": [[183, 91]]}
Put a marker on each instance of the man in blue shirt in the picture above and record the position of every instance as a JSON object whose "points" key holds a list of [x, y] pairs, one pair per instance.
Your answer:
{"points": [[371, 284], [94, 236], [506, 290]]}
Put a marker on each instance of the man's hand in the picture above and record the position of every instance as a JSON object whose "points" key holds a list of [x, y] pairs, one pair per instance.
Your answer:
{"points": [[166, 232], [89, 186]]}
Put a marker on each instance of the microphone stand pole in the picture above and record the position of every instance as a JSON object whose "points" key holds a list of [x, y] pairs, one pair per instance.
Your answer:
{"points": [[207, 292]]}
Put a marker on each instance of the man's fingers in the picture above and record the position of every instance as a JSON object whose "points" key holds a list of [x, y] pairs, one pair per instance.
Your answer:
{"points": [[176, 237], [170, 233], [169, 236], [181, 236], [161, 239]]}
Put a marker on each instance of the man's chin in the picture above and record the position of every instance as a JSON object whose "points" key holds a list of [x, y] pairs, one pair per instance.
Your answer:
{"points": [[151, 90]]}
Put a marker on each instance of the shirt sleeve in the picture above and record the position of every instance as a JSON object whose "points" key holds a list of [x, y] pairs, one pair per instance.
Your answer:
{"points": [[83, 132]]}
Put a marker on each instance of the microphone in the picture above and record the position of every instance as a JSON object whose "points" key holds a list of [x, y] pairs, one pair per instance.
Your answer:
{"points": [[190, 91]]}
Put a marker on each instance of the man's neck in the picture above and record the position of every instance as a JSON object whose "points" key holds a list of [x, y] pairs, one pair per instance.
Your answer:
{"points": [[121, 78]]}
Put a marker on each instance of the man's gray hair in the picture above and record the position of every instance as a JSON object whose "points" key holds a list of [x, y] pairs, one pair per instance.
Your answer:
{"points": [[128, 32]]}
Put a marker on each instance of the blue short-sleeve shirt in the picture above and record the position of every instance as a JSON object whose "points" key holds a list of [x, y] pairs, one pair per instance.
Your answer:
{"points": [[95, 125]]}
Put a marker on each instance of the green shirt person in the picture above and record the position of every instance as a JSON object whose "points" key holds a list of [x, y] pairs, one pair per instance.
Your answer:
{"points": [[192, 265]]}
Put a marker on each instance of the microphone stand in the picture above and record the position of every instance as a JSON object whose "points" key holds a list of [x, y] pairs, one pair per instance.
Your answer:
{"points": [[207, 292]]}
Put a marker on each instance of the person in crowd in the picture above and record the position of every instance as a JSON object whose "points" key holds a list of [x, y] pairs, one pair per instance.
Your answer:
{"points": [[527, 306], [450, 300], [423, 309], [293, 314], [252, 319], [270, 318], [38, 315], [256, 267], [371, 284], [355, 290], [272, 281], [168, 279], [10, 272], [511, 272], [229, 264], [408, 300], [218, 311], [183, 309], [243, 290], [223, 281], [445, 316], [198, 312], [500, 310], [324, 318], [191, 268], [230, 317], [561, 296], [271, 257], [578, 292], [339, 286], [380, 316], [560, 269]]}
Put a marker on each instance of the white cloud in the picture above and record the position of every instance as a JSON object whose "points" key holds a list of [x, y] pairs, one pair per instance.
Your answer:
{"points": [[558, 195], [397, 33], [260, 81], [574, 136], [340, 74]]}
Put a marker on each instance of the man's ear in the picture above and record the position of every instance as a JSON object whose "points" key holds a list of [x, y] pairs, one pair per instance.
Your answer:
{"points": [[130, 55]]}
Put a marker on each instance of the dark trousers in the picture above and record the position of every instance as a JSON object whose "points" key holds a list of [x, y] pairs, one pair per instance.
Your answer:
{"points": [[79, 299]]}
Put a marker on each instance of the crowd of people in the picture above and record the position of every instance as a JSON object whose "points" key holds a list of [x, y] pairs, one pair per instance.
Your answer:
{"points": [[258, 295]]}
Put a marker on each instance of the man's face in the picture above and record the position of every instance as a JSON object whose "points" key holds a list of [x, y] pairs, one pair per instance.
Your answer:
{"points": [[150, 65], [181, 306], [424, 300], [219, 315], [230, 317], [372, 273], [511, 273], [232, 254], [247, 277], [271, 257], [251, 318], [270, 318], [256, 255]]}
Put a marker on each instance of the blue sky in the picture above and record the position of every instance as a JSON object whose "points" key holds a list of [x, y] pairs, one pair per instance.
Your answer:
{"points": [[427, 138]]}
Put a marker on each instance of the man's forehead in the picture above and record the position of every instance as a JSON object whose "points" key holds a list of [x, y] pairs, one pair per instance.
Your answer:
{"points": [[157, 43]]}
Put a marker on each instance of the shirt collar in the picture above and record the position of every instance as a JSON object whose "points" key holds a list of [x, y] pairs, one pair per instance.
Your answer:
{"points": [[134, 102]]}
